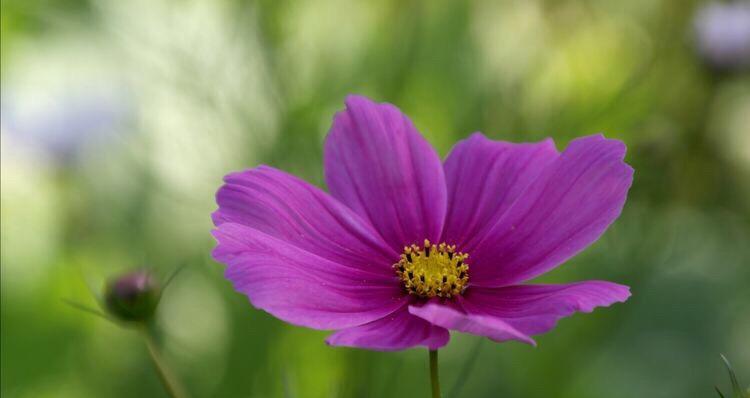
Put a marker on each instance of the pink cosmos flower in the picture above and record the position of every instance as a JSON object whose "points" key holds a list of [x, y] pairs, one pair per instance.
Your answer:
{"points": [[405, 247]]}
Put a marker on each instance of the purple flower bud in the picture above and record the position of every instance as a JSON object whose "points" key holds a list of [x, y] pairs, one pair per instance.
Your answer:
{"points": [[723, 35], [133, 296]]}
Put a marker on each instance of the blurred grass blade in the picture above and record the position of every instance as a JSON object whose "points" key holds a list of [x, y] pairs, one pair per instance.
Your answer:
{"points": [[736, 389], [173, 275], [286, 385], [466, 370], [719, 392], [87, 309]]}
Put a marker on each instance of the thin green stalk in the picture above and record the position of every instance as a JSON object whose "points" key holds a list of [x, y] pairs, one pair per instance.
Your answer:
{"points": [[170, 383], [434, 379]]}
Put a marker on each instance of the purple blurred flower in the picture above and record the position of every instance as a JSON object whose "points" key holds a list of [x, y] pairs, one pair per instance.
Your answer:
{"points": [[69, 125], [505, 213], [723, 34]]}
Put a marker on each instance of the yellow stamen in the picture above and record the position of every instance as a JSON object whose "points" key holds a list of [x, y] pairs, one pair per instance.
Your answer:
{"points": [[433, 270]]}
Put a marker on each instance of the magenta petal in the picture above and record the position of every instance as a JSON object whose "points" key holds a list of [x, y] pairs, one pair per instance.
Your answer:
{"points": [[378, 164], [480, 325], [484, 178], [565, 209], [300, 287], [297, 212], [534, 309], [397, 331]]}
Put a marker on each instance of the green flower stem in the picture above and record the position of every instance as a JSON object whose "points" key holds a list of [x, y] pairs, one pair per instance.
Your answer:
{"points": [[167, 378], [434, 377]]}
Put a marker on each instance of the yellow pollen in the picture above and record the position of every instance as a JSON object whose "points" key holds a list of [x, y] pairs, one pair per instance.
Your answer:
{"points": [[433, 270]]}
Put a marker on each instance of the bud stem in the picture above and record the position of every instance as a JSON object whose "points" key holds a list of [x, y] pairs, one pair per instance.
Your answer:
{"points": [[173, 388]]}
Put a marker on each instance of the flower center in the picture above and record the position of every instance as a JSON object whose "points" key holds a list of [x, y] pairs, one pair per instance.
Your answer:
{"points": [[433, 270]]}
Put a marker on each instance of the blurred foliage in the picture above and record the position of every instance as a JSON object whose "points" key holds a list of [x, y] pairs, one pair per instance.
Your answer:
{"points": [[737, 391], [119, 119]]}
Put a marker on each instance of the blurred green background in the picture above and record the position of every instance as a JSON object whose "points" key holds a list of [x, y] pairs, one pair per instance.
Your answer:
{"points": [[119, 119]]}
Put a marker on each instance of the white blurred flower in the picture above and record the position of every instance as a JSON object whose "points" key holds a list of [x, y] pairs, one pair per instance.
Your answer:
{"points": [[200, 81], [205, 104]]}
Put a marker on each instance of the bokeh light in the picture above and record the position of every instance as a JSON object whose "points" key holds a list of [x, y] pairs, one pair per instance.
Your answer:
{"points": [[119, 119]]}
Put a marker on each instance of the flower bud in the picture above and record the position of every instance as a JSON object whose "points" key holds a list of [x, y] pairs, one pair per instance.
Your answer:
{"points": [[133, 296]]}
